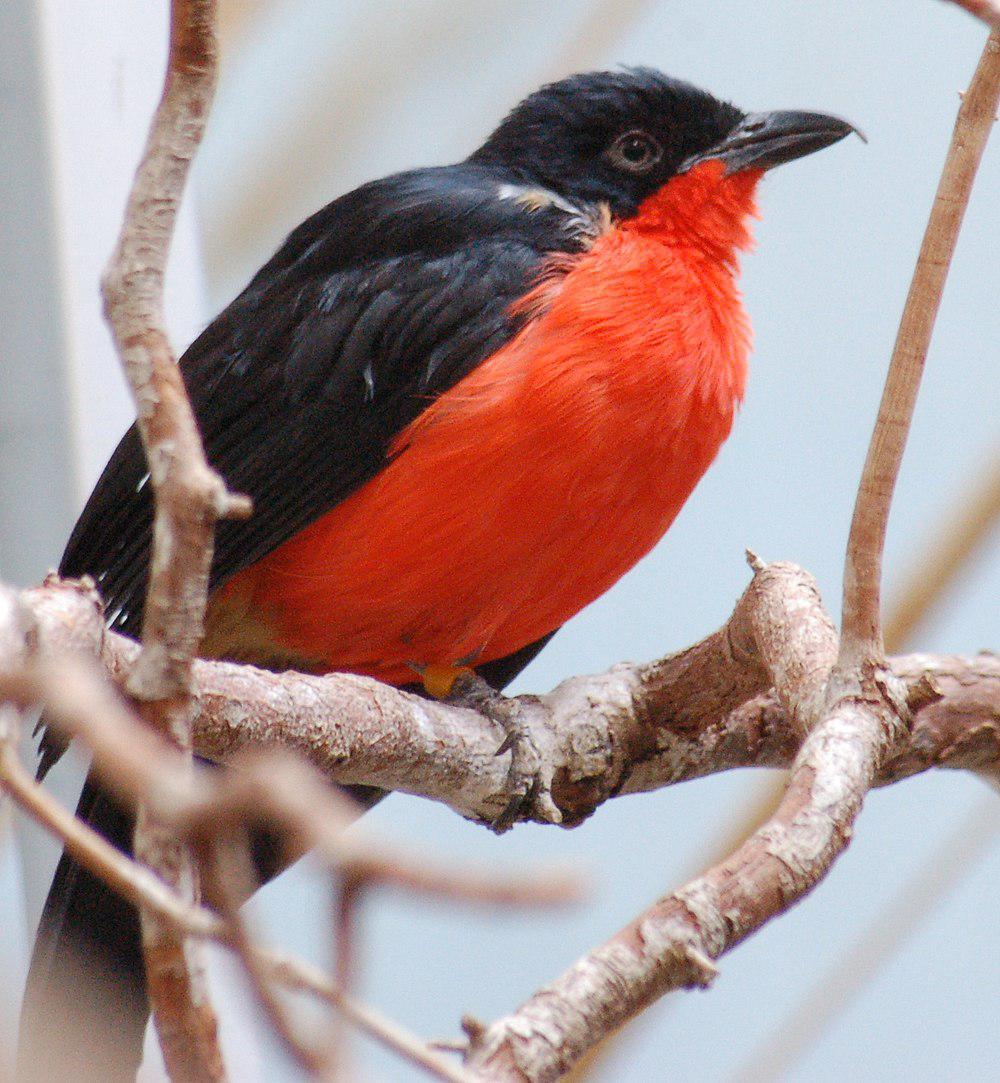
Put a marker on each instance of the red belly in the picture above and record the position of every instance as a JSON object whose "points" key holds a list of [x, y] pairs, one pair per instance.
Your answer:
{"points": [[524, 492]]}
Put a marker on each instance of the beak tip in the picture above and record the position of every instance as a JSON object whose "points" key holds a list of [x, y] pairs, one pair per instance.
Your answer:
{"points": [[846, 128]]}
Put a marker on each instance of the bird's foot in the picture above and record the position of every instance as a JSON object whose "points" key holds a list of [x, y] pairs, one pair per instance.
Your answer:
{"points": [[440, 681], [529, 780]]}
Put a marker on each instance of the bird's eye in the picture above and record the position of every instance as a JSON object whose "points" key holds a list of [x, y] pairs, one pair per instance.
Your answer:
{"points": [[635, 151]]}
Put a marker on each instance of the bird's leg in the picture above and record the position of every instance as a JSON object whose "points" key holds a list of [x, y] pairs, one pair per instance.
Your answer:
{"points": [[529, 781]]}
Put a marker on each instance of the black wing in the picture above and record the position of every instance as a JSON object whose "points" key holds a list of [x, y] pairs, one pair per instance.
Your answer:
{"points": [[372, 307]]}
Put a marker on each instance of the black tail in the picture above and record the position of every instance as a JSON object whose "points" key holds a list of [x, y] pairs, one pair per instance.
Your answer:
{"points": [[84, 1011]]}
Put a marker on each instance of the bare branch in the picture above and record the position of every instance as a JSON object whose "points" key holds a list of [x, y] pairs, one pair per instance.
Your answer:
{"points": [[144, 888], [862, 628], [635, 728], [131, 880], [227, 881], [672, 944], [189, 499], [987, 10], [190, 496]]}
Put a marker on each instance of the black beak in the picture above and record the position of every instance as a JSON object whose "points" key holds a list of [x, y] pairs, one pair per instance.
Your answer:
{"points": [[764, 140]]}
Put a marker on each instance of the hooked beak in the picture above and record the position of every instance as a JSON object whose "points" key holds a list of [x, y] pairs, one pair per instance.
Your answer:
{"points": [[764, 140]]}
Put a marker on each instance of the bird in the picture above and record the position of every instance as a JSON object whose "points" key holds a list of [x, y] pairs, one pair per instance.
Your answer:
{"points": [[464, 401]]}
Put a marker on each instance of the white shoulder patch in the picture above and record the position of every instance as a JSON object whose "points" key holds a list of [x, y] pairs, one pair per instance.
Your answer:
{"points": [[586, 221]]}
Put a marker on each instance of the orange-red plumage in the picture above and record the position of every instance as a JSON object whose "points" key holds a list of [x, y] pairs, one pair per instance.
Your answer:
{"points": [[528, 489]]}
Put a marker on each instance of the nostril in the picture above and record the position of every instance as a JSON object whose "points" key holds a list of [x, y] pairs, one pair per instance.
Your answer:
{"points": [[753, 126]]}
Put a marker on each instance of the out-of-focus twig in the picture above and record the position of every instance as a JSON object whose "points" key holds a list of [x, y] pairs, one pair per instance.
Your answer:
{"points": [[592, 37], [144, 888], [227, 880], [987, 10], [964, 530], [206, 808], [966, 845]]}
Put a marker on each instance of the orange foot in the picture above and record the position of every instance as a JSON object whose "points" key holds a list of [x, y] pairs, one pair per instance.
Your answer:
{"points": [[439, 681]]}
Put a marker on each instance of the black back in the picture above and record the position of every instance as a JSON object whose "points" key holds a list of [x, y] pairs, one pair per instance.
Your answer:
{"points": [[372, 307]]}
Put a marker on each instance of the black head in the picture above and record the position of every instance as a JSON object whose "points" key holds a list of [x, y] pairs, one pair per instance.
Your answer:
{"points": [[619, 136]]}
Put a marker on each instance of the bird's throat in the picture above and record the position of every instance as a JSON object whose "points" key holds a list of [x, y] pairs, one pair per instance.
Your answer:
{"points": [[703, 210]]}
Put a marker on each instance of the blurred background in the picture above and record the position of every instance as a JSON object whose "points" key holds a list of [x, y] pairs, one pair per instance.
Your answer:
{"points": [[891, 969]]}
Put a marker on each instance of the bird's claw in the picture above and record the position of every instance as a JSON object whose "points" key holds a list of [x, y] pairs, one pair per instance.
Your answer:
{"points": [[506, 744], [529, 780]]}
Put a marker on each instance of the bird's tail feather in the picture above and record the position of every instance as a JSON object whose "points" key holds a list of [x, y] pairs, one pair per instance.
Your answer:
{"points": [[85, 1007], [84, 1011]]}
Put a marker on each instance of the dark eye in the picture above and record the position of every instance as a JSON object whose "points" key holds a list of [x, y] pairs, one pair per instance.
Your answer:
{"points": [[635, 151]]}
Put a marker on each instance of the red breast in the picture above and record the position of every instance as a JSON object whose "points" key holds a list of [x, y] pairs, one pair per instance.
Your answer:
{"points": [[530, 487]]}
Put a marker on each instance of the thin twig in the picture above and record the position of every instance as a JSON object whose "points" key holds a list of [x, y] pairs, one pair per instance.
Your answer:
{"points": [[128, 878], [346, 905], [868, 956], [139, 885], [987, 10], [966, 527], [227, 879], [861, 632], [297, 974], [189, 499]]}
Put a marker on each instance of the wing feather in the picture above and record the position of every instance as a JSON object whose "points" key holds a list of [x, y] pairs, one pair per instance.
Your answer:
{"points": [[373, 307]]}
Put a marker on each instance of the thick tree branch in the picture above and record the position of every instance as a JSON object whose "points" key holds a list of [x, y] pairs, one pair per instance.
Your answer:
{"points": [[633, 729]]}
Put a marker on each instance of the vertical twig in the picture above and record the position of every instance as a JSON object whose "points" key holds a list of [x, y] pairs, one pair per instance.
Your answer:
{"points": [[345, 914], [861, 631], [228, 876], [190, 498]]}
